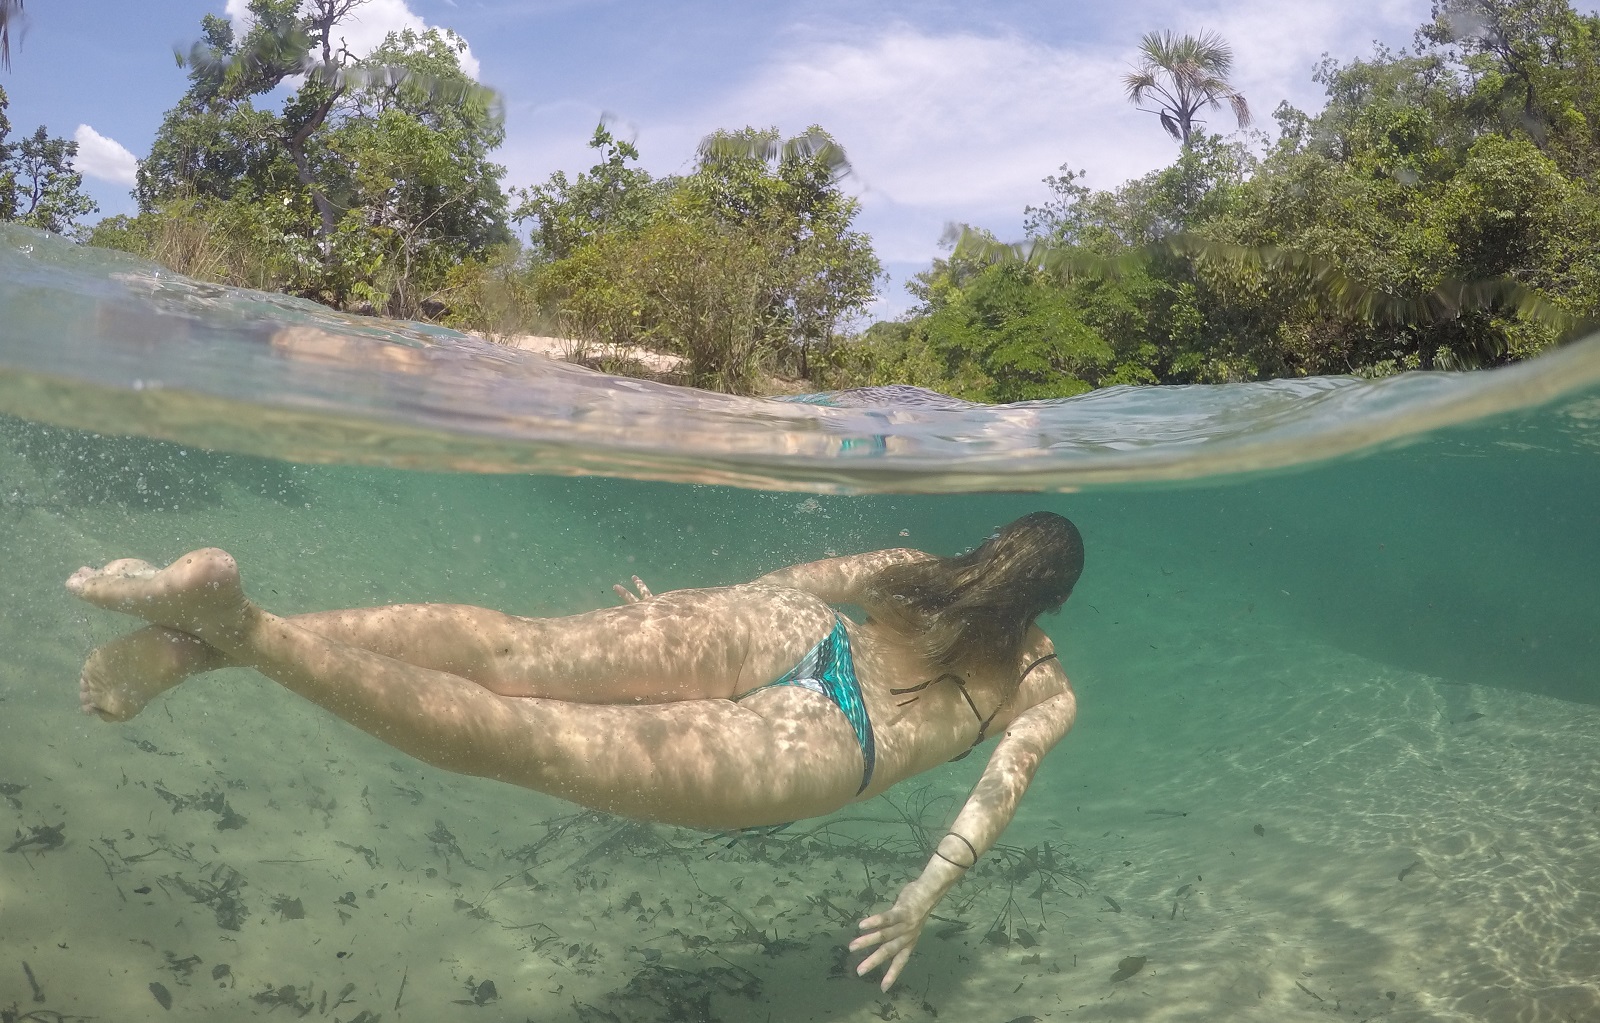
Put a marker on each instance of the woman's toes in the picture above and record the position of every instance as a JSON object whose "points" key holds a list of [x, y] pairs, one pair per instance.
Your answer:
{"points": [[199, 590], [121, 676]]}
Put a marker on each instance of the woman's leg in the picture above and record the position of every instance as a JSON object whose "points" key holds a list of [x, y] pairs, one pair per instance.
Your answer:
{"points": [[586, 658], [122, 675], [701, 762]]}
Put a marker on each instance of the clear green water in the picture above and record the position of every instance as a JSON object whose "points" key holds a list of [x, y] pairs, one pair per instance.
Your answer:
{"points": [[1338, 751]]}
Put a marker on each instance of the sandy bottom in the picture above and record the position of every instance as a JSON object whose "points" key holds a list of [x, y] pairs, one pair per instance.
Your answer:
{"points": [[1243, 827]]}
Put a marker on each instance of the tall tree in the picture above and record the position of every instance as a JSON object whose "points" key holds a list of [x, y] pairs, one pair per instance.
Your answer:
{"points": [[1184, 75], [750, 261], [38, 185], [287, 39], [791, 190], [611, 196], [372, 177], [216, 139], [8, 175]]}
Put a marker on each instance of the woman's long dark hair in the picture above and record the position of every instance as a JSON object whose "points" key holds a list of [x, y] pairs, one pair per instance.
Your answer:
{"points": [[975, 609]]}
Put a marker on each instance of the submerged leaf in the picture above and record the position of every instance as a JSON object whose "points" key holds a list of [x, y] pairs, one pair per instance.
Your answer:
{"points": [[1128, 967]]}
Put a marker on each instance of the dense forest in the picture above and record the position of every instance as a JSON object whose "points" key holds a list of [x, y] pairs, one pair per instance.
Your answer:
{"points": [[1441, 211]]}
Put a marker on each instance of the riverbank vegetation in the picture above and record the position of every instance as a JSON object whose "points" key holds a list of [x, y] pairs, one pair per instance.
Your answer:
{"points": [[1441, 211]]}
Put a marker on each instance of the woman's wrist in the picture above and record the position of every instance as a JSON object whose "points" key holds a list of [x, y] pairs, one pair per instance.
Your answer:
{"points": [[956, 850]]}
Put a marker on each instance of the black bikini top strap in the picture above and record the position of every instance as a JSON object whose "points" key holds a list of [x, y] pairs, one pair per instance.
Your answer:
{"points": [[914, 689], [983, 726], [1035, 664], [983, 723], [960, 685]]}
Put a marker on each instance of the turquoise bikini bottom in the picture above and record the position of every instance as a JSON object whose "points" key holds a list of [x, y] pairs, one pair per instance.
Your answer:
{"points": [[829, 669]]}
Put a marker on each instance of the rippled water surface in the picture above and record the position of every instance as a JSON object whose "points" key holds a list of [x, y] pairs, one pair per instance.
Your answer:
{"points": [[1335, 650]]}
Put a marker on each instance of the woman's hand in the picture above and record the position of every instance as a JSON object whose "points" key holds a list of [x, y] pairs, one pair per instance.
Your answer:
{"points": [[896, 931], [628, 596]]}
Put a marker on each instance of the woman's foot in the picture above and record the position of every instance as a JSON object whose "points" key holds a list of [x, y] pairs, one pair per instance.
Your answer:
{"points": [[121, 676], [199, 594]]}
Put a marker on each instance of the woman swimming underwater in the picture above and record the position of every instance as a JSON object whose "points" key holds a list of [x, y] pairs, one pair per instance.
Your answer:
{"points": [[730, 707]]}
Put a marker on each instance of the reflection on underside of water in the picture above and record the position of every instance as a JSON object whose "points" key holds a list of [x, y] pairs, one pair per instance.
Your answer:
{"points": [[1334, 648]]}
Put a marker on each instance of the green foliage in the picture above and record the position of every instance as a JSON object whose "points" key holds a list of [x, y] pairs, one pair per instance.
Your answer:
{"points": [[231, 241], [371, 182], [681, 285], [497, 296], [989, 331], [1184, 75], [8, 173], [787, 193], [1205, 182], [1010, 335], [1442, 211], [38, 186], [610, 197], [745, 266]]}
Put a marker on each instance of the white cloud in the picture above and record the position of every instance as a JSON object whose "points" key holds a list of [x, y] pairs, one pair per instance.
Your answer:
{"points": [[952, 127], [942, 120], [959, 124], [1277, 45], [964, 125], [103, 158], [366, 27]]}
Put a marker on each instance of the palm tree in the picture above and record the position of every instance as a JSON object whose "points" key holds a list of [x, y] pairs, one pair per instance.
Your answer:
{"points": [[1183, 75], [10, 14]]}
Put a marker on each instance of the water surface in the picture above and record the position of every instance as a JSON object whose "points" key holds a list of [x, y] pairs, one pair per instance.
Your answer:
{"points": [[1335, 652]]}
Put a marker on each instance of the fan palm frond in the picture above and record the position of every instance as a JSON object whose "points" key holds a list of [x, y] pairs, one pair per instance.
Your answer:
{"points": [[765, 147], [1183, 75], [10, 16]]}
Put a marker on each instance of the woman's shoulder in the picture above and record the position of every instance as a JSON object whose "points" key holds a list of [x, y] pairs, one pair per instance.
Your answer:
{"points": [[1041, 673], [1037, 643], [840, 580]]}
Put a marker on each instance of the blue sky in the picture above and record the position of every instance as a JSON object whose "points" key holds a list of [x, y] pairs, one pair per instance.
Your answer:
{"points": [[949, 112]]}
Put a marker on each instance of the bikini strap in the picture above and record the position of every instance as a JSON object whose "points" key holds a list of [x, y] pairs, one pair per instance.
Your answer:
{"points": [[957, 679], [914, 689], [1035, 664], [983, 723], [961, 685]]}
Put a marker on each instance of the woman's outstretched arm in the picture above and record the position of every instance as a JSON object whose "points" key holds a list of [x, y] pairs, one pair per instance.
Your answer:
{"points": [[976, 828], [841, 580]]}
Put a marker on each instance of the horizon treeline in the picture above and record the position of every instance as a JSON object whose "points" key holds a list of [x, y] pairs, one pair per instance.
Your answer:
{"points": [[1441, 211]]}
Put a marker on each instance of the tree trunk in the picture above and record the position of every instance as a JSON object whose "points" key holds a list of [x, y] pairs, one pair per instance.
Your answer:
{"points": [[296, 144]]}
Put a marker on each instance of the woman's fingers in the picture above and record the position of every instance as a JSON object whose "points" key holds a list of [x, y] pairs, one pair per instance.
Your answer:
{"points": [[870, 924], [878, 929], [876, 959], [627, 595], [895, 934], [895, 953], [893, 973]]}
